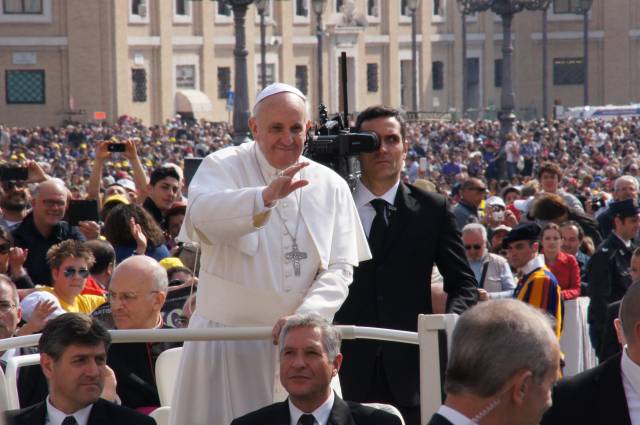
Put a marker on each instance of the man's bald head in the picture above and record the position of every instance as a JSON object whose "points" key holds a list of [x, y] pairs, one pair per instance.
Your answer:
{"points": [[146, 268]]}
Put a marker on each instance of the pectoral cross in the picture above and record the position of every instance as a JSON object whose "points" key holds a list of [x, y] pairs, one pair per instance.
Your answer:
{"points": [[295, 256]]}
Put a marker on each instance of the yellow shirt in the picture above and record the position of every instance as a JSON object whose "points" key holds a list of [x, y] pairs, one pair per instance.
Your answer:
{"points": [[81, 304]]}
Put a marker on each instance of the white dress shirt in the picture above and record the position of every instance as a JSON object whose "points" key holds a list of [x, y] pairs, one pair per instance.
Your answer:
{"points": [[321, 413], [363, 197], [453, 416], [631, 384], [55, 416]]}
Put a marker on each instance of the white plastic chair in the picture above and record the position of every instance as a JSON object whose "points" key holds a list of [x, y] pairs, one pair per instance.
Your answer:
{"points": [[161, 415], [11, 376], [4, 399], [167, 366]]}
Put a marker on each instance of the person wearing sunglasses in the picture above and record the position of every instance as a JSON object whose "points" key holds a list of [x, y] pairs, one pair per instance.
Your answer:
{"points": [[70, 262], [472, 193], [492, 271]]}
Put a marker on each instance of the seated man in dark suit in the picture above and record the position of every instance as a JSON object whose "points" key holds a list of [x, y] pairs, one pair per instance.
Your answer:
{"points": [[309, 358], [504, 360], [73, 355], [603, 395]]}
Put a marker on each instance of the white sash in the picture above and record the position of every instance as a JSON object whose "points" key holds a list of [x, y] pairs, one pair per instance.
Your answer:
{"points": [[232, 304]]}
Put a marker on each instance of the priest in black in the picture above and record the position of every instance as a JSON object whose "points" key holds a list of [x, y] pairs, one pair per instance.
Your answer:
{"points": [[409, 232]]}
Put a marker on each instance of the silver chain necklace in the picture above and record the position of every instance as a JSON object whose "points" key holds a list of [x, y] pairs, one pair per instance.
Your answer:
{"points": [[295, 255]]}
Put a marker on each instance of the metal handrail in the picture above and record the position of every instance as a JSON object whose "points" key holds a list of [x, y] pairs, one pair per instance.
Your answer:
{"points": [[230, 334]]}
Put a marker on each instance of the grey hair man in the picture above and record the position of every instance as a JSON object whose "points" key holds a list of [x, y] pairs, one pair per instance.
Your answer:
{"points": [[492, 271], [504, 361], [625, 187], [309, 351], [606, 394]]}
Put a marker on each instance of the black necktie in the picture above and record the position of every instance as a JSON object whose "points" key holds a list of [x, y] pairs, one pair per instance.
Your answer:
{"points": [[378, 227], [69, 420], [307, 419]]}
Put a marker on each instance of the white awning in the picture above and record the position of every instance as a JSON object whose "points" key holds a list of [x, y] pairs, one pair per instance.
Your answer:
{"points": [[192, 101]]}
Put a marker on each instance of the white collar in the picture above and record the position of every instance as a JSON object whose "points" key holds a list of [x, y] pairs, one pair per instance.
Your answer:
{"points": [[363, 195], [631, 370], [321, 413], [453, 416], [536, 263], [55, 416], [625, 243], [268, 171]]}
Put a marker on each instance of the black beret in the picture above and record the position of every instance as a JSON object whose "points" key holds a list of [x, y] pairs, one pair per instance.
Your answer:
{"points": [[522, 232]]}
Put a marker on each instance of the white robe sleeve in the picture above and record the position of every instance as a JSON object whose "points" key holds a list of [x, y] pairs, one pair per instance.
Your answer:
{"points": [[328, 291]]}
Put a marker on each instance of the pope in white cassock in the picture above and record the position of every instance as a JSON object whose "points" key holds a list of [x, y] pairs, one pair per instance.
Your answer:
{"points": [[279, 235]]}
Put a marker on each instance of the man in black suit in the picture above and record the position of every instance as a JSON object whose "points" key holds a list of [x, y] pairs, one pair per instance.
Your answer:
{"points": [[73, 352], [602, 395], [409, 230], [309, 358], [505, 358]]}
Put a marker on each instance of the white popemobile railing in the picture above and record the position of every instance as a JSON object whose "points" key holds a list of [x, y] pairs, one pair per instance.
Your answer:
{"points": [[426, 338], [574, 341]]}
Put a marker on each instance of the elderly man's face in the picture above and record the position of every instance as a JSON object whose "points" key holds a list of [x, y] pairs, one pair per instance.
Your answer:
{"points": [[135, 301], [49, 206], [625, 190], [10, 312], [305, 368], [280, 127], [474, 245]]}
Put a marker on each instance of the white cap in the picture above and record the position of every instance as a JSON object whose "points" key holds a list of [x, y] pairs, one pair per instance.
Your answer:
{"points": [[31, 301], [496, 200], [127, 184], [276, 88]]}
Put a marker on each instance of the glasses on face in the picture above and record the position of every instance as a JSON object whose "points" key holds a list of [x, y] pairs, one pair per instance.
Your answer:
{"points": [[69, 272], [479, 189], [51, 203], [472, 247], [126, 297], [5, 248], [5, 306]]}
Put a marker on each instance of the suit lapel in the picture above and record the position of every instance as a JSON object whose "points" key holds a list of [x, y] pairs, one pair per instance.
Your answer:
{"points": [[98, 415], [38, 415], [612, 402], [404, 205], [340, 413], [282, 414]]}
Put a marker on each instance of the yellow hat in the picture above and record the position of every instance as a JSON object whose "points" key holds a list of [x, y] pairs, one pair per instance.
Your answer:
{"points": [[170, 262], [120, 199], [14, 157]]}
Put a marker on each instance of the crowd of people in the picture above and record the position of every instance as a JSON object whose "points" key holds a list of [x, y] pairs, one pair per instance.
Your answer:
{"points": [[262, 238]]}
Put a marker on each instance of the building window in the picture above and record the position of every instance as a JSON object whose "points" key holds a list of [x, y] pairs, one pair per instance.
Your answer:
{"points": [[372, 77], [186, 76], [565, 6], [302, 78], [139, 7], [139, 83], [437, 7], [224, 81], [22, 7], [373, 8], [302, 8], [224, 9], [437, 75], [497, 73], [24, 87], [339, 5], [404, 8], [181, 7], [568, 71], [270, 75]]}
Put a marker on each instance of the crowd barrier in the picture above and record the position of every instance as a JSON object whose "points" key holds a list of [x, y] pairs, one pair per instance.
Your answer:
{"points": [[574, 342]]}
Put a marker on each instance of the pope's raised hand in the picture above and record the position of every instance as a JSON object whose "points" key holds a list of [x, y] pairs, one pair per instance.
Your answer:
{"points": [[284, 184]]}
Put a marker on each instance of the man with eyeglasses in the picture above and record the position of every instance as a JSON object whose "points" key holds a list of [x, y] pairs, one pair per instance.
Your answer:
{"points": [[537, 285], [492, 271], [137, 293], [472, 193], [44, 227]]}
